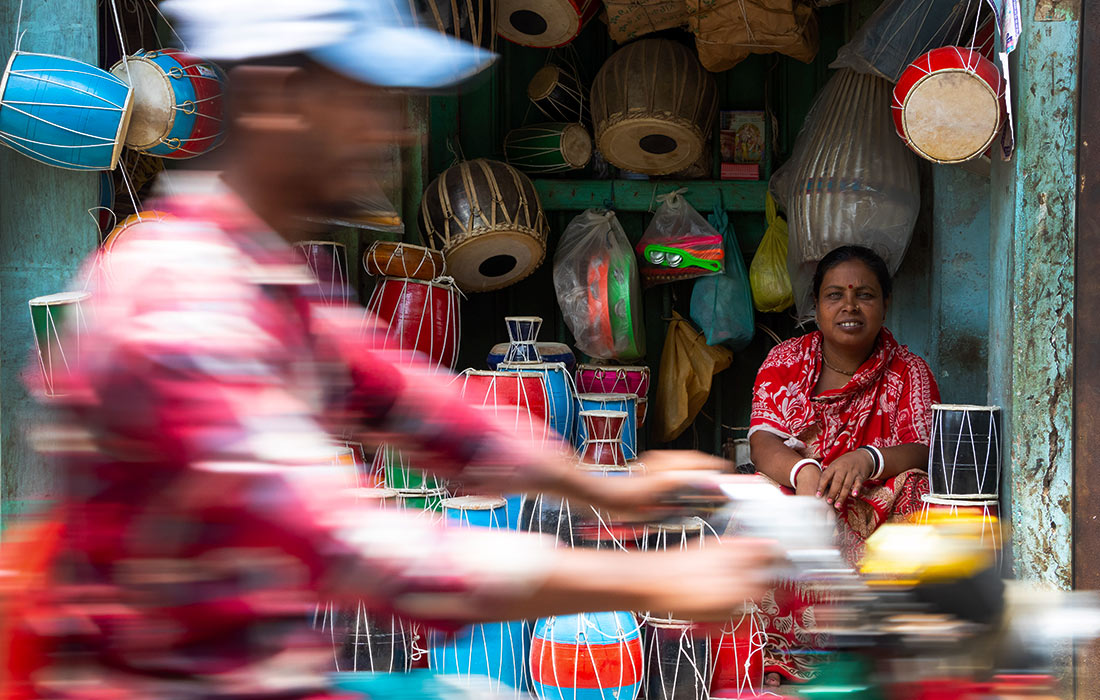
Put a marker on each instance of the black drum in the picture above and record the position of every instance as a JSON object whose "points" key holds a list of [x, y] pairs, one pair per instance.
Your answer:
{"points": [[556, 92], [964, 455], [365, 642], [486, 218], [677, 661], [469, 20]]}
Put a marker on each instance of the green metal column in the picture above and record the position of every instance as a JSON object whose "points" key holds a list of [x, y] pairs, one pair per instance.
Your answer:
{"points": [[1032, 292], [45, 232]]}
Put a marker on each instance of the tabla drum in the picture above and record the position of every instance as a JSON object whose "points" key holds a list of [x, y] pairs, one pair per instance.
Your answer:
{"points": [[486, 218], [548, 352], [560, 393], [590, 656], [627, 403], [948, 105], [390, 259], [677, 661], [58, 322], [64, 112], [178, 109], [544, 24], [653, 107], [738, 661], [419, 316], [468, 20], [603, 438], [964, 452], [363, 641], [556, 147], [328, 262], [556, 91]]}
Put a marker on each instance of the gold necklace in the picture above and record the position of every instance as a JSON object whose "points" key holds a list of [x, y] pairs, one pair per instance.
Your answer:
{"points": [[838, 371]]}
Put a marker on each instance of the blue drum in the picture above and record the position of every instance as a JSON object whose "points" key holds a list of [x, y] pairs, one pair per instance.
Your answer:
{"points": [[63, 112], [549, 352], [561, 408], [499, 650], [612, 402]]}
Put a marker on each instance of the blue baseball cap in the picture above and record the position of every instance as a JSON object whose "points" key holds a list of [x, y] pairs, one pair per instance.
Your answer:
{"points": [[372, 41]]}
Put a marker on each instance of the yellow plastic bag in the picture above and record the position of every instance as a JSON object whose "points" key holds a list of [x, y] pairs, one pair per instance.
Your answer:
{"points": [[688, 366], [768, 276]]}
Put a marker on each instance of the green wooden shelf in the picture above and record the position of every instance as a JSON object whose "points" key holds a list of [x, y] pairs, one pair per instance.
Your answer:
{"points": [[641, 195]]}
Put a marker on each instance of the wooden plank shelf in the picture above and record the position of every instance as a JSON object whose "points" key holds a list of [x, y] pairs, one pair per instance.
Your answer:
{"points": [[641, 195]]}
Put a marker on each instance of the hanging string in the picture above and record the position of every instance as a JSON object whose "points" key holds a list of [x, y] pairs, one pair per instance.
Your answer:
{"points": [[121, 42], [130, 190], [18, 23], [155, 6]]}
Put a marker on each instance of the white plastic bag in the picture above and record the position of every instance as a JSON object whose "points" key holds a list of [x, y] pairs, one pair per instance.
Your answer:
{"points": [[679, 244], [596, 281]]}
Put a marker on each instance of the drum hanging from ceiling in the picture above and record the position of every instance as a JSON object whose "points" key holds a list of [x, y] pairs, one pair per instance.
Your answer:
{"points": [[653, 106], [544, 24], [486, 218], [556, 92], [554, 147]]}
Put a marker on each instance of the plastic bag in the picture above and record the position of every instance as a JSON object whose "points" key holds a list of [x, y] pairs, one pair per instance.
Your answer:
{"points": [[596, 281], [722, 304], [850, 180], [771, 284], [900, 31], [688, 366], [678, 244]]}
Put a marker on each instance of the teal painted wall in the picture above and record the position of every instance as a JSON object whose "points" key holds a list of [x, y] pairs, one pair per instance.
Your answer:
{"points": [[45, 232]]}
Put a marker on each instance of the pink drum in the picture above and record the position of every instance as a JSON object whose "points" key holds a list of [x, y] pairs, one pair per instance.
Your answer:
{"points": [[609, 379], [421, 316], [510, 396], [328, 261]]}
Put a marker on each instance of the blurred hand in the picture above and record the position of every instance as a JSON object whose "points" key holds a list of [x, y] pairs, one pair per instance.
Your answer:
{"points": [[844, 477], [668, 475]]}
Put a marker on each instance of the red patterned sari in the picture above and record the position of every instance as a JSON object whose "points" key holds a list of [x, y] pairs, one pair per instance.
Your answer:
{"points": [[888, 402]]}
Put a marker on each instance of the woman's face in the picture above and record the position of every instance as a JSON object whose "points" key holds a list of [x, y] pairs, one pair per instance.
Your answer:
{"points": [[850, 306]]}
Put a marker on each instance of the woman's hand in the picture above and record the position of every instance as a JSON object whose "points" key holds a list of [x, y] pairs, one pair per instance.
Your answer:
{"points": [[844, 477], [808, 479]]}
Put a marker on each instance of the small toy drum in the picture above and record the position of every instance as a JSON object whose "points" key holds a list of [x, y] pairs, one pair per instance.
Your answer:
{"points": [[603, 438], [328, 261], [591, 656], [949, 105], [178, 110], [63, 112], [59, 323], [562, 406], [627, 403], [362, 641], [523, 331], [653, 106], [517, 399], [549, 352], [420, 316], [738, 661], [557, 93], [964, 452], [548, 148], [544, 24], [677, 661], [389, 259], [486, 218]]}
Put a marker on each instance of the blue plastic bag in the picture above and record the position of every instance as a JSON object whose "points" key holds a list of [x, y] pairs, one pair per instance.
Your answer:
{"points": [[721, 305]]}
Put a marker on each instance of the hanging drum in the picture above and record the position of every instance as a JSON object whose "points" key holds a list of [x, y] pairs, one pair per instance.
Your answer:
{"points": [[949, 105], [486, 218], [418, 315], [556, 92], [548, 148], [544, 24], [653, 106], [468, 20], [178, 110]]}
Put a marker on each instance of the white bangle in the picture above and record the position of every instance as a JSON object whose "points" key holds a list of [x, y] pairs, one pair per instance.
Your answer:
{"points": [[798, 467], [878, 459]]}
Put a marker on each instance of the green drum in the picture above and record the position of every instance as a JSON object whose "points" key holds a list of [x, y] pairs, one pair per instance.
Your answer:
{"points": [[400, 476], [548, 148], [58, 322], [430, 500]]}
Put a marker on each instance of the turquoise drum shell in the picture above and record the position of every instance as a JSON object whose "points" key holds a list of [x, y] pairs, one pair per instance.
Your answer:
{"points": [[499, 650], [562, 408], [63, 112], [611, 402]]}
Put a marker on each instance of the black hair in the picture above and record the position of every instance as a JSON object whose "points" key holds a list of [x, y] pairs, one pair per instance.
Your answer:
{"points": [[863, 254]]}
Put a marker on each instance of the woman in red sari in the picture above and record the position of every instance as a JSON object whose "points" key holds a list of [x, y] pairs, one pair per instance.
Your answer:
{"points": [[842, 414]]}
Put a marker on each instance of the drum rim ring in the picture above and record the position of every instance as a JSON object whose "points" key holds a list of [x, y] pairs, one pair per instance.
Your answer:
{"points": [[998, 99], [693, 147], [505, 280]]}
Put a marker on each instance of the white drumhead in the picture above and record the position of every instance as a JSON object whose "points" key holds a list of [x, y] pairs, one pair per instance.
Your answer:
{"points": [[60, 298], [970, 408], [154, 102], [474, 503], [951, 116]]}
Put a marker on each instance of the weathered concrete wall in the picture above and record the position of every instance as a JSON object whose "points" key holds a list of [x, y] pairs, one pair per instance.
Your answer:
{"points": [[1032, 293], [45, 231]]}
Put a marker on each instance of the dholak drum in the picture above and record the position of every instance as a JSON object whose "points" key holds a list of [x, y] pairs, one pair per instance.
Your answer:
{"points": [[63, 112], [555, 147], [562, 406], [591, 656], [627, 403], [603, 438], [130, 228], [419, 316], [397, 473], [544, 24], [362, 641], [517, 399], [178, 110], [556, 92], [328, 261], [613, 379], [390, 259], [653, 106], [964, 452], [427, 501], [677, 661], [58, 322], [949, 105], [738, 660], [985, 513], [486, 218]]}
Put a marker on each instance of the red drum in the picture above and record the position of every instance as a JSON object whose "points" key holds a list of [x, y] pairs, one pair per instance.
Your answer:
{"points": [[606, 379], [328, 261], [603, 438], [949, 105], [544, 24], [512, 397], [421, 316], [739, 657]]}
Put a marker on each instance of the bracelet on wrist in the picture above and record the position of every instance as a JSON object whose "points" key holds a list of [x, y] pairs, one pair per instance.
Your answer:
{"points": [[798, 467], [878, 462]]}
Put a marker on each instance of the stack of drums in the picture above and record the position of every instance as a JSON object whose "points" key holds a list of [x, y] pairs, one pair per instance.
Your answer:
{"points": [[499, 650], [626, 380], [964, 468], [523, 356]]}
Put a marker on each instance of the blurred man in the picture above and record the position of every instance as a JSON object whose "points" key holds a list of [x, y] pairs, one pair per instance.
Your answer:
{"points": [[197, 531]]}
